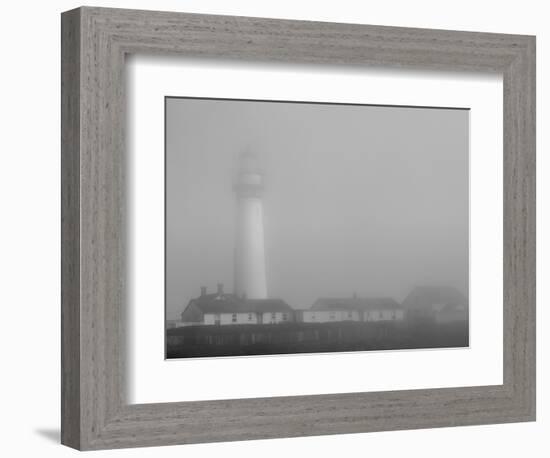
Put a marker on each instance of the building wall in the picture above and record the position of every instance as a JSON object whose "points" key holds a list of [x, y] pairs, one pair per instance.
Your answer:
{"points": [[277, 317], [191, 316], [231, 318], [326, 316], [306, 316], [383, 315], [248, 318]]}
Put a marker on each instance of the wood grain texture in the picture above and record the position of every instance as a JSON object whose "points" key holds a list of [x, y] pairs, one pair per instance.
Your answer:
{"points": [[95, 413], [70, 229]]}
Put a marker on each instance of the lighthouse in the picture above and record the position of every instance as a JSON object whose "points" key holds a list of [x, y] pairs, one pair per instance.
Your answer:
{"points": [[250, 275]]}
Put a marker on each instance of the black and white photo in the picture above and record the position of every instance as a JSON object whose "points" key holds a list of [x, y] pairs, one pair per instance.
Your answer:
{"points": [[295, 227]]}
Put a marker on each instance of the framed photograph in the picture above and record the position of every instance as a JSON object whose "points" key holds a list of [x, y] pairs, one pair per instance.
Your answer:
{"points": [[278, 228]]}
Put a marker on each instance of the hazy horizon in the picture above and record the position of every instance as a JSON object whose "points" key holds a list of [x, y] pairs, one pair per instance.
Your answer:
{"points": [[359, 199]]}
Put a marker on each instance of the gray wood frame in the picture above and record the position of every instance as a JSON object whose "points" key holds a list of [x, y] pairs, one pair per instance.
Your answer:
{"points": [[95, 414]]}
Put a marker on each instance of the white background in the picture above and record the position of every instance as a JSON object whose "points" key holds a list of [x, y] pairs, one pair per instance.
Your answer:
{"points": [[29, 251], [155, 380]]}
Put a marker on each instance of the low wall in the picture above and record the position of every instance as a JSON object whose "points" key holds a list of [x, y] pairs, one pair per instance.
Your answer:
{"points": [[239, 340]]}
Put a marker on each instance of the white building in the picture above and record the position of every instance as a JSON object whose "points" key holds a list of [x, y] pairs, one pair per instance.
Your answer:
{"points": [[228, 309], [326, 310], [250, 273], [327, 316]]}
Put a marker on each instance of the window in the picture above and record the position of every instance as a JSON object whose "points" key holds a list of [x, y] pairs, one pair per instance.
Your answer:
{"points": [[250, 317], [350, 315], [332, 315], [234, 318], [284, 316], [380, 315]]}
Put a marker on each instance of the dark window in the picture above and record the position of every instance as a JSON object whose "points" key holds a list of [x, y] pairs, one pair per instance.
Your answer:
{"points": [[234, 318]]}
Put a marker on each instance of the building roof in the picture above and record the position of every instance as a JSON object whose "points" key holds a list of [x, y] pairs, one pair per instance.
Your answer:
{"points": [[268, 305], [425, 297], [355, 303], [230, 303]]}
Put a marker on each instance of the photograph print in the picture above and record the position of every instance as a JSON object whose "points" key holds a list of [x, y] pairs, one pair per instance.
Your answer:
{"points": [[305, 227]]}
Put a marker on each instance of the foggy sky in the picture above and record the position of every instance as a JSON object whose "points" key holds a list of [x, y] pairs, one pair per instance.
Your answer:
{"points": [[364, 199]]}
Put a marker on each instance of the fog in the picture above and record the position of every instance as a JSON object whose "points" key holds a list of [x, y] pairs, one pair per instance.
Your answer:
{"points": [[359, 199]]}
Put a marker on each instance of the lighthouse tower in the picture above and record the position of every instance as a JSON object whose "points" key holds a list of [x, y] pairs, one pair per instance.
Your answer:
{"points": [[250, 277]]}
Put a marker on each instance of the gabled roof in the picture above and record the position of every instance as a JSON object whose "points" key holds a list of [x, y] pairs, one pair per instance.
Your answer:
{"points": [[425, 297], [268, 305], [355, 303], [230, 303]]}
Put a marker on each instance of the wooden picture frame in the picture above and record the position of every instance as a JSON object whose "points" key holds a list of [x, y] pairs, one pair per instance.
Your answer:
{"points": [[95, 413]]}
